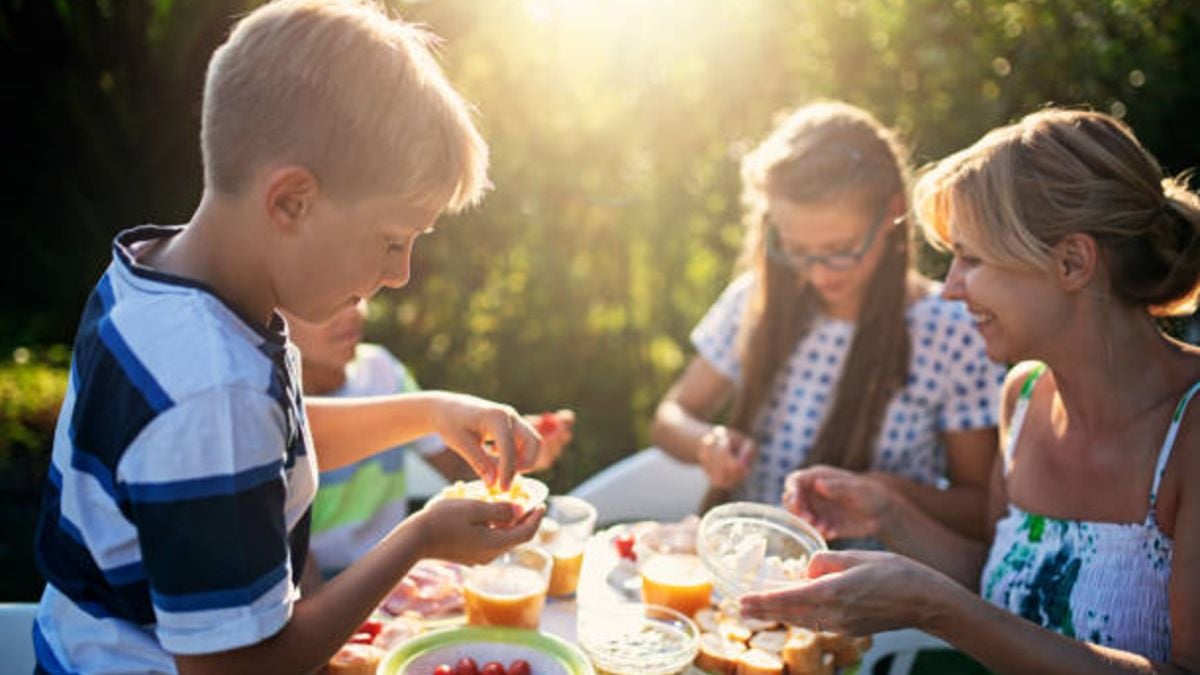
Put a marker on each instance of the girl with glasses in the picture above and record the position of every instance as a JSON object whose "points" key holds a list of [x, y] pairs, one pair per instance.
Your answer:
{"points": [[1067, 242], [825, 349]]}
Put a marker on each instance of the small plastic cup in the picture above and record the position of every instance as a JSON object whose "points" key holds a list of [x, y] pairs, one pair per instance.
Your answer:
{"points": [[510, 590], [676, 580], [567, 526]]}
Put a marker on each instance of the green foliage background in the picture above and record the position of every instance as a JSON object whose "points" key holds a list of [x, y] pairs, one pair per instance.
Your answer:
{"points": [[616, 128]]}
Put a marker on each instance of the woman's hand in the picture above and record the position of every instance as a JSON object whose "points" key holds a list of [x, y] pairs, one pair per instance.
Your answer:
{"points": [[839, 503], [471, 531], [856, 592], [556, 430], [726, 456], [492, 438]]}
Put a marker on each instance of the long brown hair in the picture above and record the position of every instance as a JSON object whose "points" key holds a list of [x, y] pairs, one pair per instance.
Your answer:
{"points": [[823, 152]]}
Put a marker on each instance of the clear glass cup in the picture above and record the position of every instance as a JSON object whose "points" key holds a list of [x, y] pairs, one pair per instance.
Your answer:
{"points": [[566, 528], [510, 590]]}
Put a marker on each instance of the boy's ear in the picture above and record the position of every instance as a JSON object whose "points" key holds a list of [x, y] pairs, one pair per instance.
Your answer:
{"points": [[290, 192], [1076, 257], [897, 209]]}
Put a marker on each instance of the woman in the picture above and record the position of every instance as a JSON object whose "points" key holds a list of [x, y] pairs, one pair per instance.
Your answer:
{"points": [[830, 350], [1066, 241]]}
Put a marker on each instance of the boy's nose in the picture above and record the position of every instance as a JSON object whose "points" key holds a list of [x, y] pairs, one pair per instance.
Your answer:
{"points": [[396, 274]]}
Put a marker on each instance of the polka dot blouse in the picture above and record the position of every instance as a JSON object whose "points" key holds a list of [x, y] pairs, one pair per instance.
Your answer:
{"points": [[952, 386]]}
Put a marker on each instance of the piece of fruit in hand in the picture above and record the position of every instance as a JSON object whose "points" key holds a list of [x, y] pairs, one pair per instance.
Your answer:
{"points": [[547, 423]]}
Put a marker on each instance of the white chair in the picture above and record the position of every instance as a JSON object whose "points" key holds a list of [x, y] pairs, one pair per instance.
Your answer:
{"points": [[16, 636], [649, 484], [902, 646]]}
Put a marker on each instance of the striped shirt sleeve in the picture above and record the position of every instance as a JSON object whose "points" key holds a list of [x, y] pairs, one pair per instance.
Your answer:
{"points": [[207, 491]]}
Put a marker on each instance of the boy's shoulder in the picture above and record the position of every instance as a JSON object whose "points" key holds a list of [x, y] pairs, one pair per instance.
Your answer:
{"points": [[179, 334]]}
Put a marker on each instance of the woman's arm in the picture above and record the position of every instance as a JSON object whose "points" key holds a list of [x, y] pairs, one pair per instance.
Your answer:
{"points": [[962, 505], [863, 592]]}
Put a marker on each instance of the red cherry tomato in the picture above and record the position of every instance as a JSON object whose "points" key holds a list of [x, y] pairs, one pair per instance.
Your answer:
{"points": [[547, 423], [519, 667], [466, 666], [492, 668], [370, 627], [624, 543], [443, 670]]}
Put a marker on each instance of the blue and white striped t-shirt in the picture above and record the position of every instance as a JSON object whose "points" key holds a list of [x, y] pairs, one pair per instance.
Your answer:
{"points": [[175, 517]]}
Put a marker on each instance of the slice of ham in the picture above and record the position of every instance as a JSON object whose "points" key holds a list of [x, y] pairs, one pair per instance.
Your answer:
{"points": [[431, 589]]}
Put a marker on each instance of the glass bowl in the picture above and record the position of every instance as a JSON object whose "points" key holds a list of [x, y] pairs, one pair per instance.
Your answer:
{"points": [[752, 547], [637, 639]]}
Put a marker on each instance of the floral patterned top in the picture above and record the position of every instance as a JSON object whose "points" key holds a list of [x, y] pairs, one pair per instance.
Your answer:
{"points": [[1101, 582]]}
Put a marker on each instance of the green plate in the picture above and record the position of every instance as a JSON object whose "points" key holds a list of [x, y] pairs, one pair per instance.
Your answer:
{"points": [[545, 653]]}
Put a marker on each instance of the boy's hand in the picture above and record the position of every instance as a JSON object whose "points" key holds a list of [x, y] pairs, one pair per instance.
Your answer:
{"points": [[492, 438], [555, 429], [471, 531]]}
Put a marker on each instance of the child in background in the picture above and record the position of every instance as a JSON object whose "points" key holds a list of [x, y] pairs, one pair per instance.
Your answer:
{"points": [[829, 351], [175, 519], [357, 505]]}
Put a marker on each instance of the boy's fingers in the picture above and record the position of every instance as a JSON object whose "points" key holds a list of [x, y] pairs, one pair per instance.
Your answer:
{"points": [[468, 449]]}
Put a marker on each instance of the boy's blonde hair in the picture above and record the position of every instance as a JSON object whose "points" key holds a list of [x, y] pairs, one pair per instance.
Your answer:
{"points": [[1021, 188], [339, 88]]}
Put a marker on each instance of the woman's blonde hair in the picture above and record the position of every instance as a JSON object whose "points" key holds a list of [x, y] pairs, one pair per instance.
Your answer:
{"points": [[1020, 189], [820, 153], [338, 87]]}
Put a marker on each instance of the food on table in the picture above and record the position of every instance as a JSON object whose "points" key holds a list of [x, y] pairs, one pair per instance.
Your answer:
{"points": [[678, 581], [718, 655], [432, 589], [525, 492], [636, 639], [802, 652], [397, 631], [759, 662], [467, 666], [624, 542], [726, 638], [677, 537], [769, 641], [845, 649], [355, 659]]}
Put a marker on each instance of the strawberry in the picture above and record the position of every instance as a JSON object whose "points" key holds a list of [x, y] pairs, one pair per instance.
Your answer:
{"points": [[547, 423], [624, 543]]}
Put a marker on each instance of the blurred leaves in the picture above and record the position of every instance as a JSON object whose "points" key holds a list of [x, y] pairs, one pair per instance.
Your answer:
{"points": [[616, 128]]}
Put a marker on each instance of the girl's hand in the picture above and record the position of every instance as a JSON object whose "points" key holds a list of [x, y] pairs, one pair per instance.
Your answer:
{"points": [[726, 456], [493, 439], [839, 503], [471, 531], [857, 593], [556, 431]]}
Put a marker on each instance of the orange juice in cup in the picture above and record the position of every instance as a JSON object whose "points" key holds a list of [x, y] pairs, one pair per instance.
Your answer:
{"points": [[568, 524], [510, 590], [678, 581], [568, 560]]}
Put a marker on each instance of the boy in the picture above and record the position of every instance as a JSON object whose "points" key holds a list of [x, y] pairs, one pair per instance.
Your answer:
{"points": [[175, 522], [357, 505]]}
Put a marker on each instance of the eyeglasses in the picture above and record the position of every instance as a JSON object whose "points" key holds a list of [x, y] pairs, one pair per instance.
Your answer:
{"points": [[839, 260]]}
